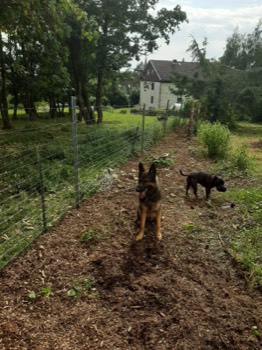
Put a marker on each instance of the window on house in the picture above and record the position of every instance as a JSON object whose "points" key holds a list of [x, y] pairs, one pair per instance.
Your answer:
{"points": [[152, 99], [179, 100], [152, 86]]}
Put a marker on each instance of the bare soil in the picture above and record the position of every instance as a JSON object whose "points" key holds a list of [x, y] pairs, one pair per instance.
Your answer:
{"points": [[183, 293]]}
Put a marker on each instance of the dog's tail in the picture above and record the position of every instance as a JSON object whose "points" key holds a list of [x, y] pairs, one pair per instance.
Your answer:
{"points": [[183, 173]]}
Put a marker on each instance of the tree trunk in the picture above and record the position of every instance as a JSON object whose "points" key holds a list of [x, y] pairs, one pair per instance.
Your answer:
{"points": [[191, 119], [60, 109], [52, 107], [85, 110], [3, 94], [83, 113], [16, 101], [91, 115], [30, 106], [205, 113], [198, 111], [99, 96]]}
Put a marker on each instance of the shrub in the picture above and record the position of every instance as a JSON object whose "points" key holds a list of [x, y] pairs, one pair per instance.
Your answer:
{"points": [[123, 111], [155, 112], [136, 110], [241, 159], [215, 137]]}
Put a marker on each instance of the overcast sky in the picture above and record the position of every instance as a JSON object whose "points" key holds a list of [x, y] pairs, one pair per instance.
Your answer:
{"points": [[214, 19]]}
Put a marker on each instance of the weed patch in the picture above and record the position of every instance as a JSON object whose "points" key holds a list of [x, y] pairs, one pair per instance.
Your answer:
{"points": [[92, 235], [215, 138], [82, 285]]}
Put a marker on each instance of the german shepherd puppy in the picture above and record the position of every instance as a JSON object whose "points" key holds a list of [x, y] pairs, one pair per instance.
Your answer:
{"points": [[206, 180], [149, 200]]}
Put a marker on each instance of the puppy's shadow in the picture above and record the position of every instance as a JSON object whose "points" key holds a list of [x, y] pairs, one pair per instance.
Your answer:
{"points": [[199, 201], [143, 256]]}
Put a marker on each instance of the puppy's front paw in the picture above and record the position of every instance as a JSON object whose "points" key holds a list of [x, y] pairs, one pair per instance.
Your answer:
{"points": [[159, 236], [139, 236]]}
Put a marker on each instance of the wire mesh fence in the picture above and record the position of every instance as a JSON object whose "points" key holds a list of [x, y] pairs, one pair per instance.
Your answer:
{"points": [[58, 167]]}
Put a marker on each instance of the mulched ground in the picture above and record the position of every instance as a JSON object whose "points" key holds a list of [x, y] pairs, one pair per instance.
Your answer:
{"points": [[184, 292]]}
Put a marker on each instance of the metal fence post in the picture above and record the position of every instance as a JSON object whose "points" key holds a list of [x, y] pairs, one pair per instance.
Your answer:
{"points": [[41, 189], [75, 146], [143, 128]]}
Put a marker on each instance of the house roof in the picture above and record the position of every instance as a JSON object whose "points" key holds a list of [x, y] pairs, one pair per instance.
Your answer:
{"points": [[162, 70]]}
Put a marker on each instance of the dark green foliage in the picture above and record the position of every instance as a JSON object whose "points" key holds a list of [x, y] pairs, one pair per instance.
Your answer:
{"points": [[243, 55], [134, 96], [117, 98], [229, 90]]}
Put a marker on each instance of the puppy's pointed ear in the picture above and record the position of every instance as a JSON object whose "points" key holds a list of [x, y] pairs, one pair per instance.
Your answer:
{"points": [[141, 168], [152, 172]]}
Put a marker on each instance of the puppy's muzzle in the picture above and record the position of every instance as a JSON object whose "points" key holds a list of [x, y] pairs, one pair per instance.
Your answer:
{"points": [[142, 192], [139, 189], [221, 188]]}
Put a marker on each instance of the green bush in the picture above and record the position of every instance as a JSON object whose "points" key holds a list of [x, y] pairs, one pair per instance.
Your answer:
{"points": [[155, 112], [241, 159], [123, 111], [215, 137], [136, 110]]}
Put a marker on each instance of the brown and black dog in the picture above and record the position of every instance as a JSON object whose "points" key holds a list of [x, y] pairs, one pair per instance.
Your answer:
{"points": [[206, 180], [149, 200]]}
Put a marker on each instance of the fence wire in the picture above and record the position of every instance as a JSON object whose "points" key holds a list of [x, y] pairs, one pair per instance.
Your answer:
{"points": [[38, 181]]}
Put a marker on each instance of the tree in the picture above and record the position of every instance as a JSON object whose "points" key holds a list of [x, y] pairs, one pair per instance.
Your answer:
{"points": [[49, 47], [3, 93], [243, 51], [231, 87], [81, 43], [34, 47], [127, 29], [8, 11], [243, 60], [194, 86]]}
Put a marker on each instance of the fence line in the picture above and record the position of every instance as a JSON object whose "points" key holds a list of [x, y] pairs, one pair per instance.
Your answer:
{"points": [[40, 183]]}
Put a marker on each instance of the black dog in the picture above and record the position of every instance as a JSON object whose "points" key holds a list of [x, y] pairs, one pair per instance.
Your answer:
{"points": [[206, 180]]}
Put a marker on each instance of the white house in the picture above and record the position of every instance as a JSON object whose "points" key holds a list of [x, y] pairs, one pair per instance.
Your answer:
{"points": [[157, 79]]}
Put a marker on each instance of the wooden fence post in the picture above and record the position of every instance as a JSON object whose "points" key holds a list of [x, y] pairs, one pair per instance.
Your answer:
{"points": [[191, 119]]}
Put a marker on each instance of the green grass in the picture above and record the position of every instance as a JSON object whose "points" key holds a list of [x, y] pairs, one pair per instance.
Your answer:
{"points": [[244, 164], [247, 239], [243, 168], [250, 135]]}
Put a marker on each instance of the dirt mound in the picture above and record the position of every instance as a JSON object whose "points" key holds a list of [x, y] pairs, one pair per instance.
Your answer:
{"points": [[106, 291]]}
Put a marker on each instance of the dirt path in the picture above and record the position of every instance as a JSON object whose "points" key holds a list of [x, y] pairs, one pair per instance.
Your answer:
{"points": [[179, 294]]}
